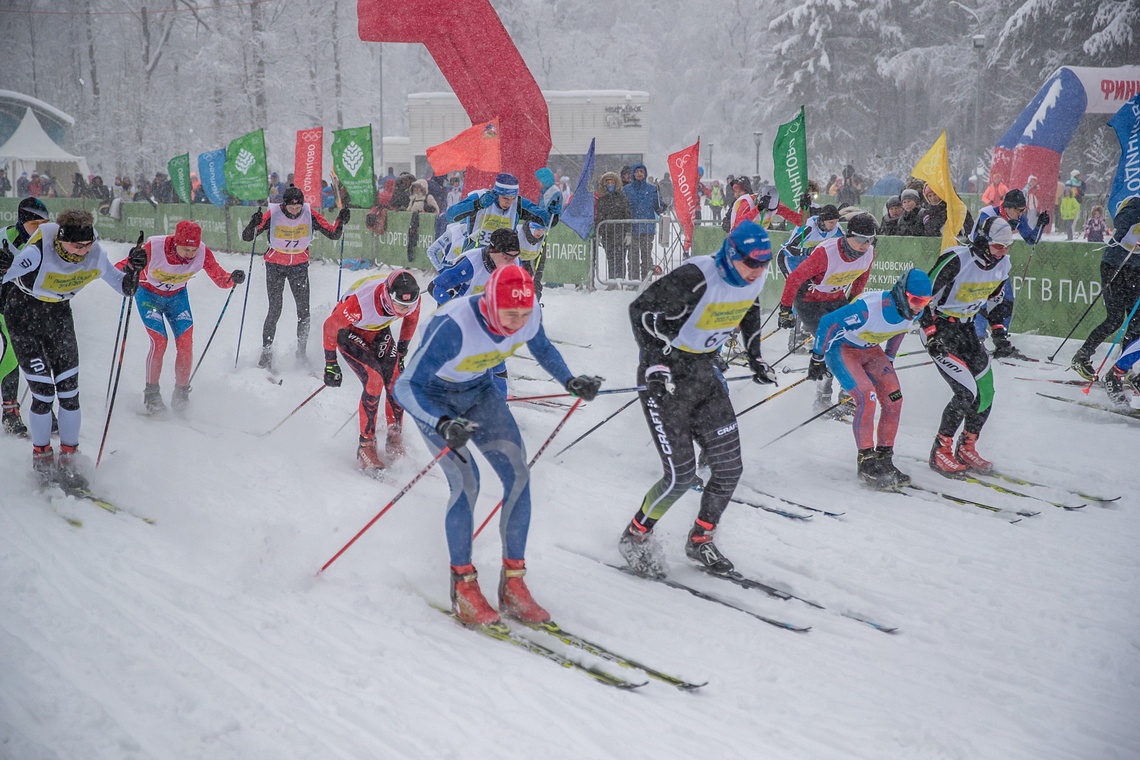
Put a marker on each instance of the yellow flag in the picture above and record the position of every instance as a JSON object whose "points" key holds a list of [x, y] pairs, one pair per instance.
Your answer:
{"points": [[934, 169]]}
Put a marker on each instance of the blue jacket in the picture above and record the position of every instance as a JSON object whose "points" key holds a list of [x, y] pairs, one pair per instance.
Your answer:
{"points": [[1029, 234], [644, 202]]}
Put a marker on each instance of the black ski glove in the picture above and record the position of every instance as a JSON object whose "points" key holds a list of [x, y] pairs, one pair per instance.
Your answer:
{"points": [[934, 343], [6, 257], [250, 231], [659, 381], [817, 368], [805, 200], [786, 319], [402, 353], [585, 387], [762, 372], [457, 432], [343, 217], [333, 375], [136, 259], [1043, 219], [237, 277]]}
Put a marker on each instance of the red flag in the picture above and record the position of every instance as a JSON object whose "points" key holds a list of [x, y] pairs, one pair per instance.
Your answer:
{"points": [[476, 148], [683, 170], [307, 164]]}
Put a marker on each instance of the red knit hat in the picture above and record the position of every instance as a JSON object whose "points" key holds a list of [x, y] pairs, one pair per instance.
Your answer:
{"points": [[509, 287], [188, 233]]}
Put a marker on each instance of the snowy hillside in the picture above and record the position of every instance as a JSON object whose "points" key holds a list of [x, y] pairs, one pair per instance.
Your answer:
{"points": [[209, 635]]}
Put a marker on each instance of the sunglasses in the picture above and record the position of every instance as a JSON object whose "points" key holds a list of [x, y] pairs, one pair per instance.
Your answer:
{"points": [[81, 246], [862, 238], [999, 247], [917, 303], [756, 259]]}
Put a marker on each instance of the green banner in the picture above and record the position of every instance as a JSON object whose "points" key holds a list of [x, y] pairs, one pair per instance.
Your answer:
{"points": [[352, 164], [789, 157], [179, 170], [246, 175]]}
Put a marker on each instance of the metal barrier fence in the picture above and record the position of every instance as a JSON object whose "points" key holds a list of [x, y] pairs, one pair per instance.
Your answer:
{"points": [[623, 258]]}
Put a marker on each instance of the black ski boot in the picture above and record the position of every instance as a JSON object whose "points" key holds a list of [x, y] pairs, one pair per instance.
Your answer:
{"points": [[181, 399], [1114, 385], [69, 472], [13, 425], [886, 456], [701, 549], [43, 462], [152, 399], [1003, 349], [1082, 364], [266, 359], [872, 472], [639, 549]]}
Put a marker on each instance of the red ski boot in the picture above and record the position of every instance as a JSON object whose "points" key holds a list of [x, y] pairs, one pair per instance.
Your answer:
{"points": [[467, 600], [69, 473], [515, 600], [394, 443], [942, 458], [968, 455], [43, 462], [370, 462]]}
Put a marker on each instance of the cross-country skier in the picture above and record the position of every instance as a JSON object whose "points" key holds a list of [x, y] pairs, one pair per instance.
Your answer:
{"points": [[532, 252], [847, 346], [1121, 370], [680, 322], [58, 261], [448, 391], [800, 243], [835, 272], [360, 327], [291, 224], [1012, 210], [965, 278], [30, 214], [499, 208], [171, 260], [447, 249]]}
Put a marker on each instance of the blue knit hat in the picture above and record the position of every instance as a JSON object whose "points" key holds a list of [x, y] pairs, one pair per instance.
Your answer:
{"points": [[545, 177], [507, 184]]}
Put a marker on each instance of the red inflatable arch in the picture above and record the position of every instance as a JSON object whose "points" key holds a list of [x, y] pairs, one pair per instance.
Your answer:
{"points": [[483, 67]]}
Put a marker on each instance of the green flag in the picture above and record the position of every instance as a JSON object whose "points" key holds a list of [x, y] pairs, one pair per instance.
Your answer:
{"points": [[246, 175], [179, 170], [352, 164], [789, 157]]}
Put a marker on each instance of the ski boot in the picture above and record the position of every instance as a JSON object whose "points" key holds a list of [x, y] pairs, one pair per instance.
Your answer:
{"points": [[68, 473], [968, 455], [700, 548], [180, 400], [370, 462], [43, 462], [886, 456], [266, 359], [640, 551], [152, 399], [1114, 385], [872, 472], [1003, 349], [13, 425], [515, 600], [822, 396], [943, 459], [467, 600], [394, 443], [1082, 364], [845, 412]]}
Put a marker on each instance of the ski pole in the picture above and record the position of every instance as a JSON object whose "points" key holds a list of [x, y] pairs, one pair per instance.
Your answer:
{"points": [[245, 301], [343, 424], [785, 389], [621, 409], [218, 324], [118, 375], [533, 459], [115, 351], [813, 418], [390, 504], [1094, 301], [297, 409], [634, 389], [340, 266], [1119, 335]]}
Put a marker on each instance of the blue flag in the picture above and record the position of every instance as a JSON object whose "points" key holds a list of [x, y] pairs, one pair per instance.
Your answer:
{"points": [[211, 170], [579, 213], [1126, 183]]}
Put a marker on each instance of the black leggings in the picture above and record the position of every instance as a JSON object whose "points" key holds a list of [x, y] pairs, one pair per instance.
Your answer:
{"points": [[966, 369], [298, 277], [697, 410], [1119, 297]]}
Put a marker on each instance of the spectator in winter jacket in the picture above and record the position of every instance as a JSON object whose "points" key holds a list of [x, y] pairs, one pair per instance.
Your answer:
{"points": [[934, 215], [996, 190], [402, 195], [98, 190], [22, 185], [716, 200], [384, 197], [552, 198], [612, 204], [1070, 208], [276, 188], [1095, 227], [5, 185], [454, 192], [644, 203], [79, 186], [851, 191], [328, 196], [910, 222], [421, 200], [890, 222], [626, 176], [1076, 184]]}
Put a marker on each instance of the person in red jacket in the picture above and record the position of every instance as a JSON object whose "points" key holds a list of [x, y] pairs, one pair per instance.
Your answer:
{"points": [[835, 272], [359, 327], [171, 260]]}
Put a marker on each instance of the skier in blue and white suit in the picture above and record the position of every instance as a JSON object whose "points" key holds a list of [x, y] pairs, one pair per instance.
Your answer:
{"points": [[447, 388], [499, 208]]}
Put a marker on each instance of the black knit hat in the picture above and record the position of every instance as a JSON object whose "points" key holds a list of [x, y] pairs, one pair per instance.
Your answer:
{"points": [[1013, 199], [861, 224], [31, 209], [828, 212]]}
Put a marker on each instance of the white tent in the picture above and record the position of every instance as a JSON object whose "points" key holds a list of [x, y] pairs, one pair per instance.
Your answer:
{"points": [[29, 149]]}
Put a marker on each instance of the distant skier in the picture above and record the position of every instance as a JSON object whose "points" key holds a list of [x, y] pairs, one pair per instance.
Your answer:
{"points": [[847, 346], [59, 260], [448, 391], [447, 249], [162, 297], [30, 214], [532, 252], [679, 323], [499, 208], [290, 226], [965, 278], [360, 327], [799, 244]]}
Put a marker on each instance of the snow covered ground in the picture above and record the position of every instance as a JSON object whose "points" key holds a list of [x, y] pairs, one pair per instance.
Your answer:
{"points": [[209, 635]]}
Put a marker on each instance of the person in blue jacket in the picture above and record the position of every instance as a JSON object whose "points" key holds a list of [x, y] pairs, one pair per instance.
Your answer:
{"points": [[847, 346], [644, 203], [447, 389], [499, 208]]}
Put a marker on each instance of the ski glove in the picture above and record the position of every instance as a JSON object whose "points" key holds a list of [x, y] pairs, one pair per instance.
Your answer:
{"points": [[786, 320], [762, 372], [1043, 219], [934, 342], [584, 387], [237, 277], [817, 368], [343, 217], [6, 257], [136, 259], [250, 231], [805, 200], [457, 432], [333, 376], [659, 381], [401, 353]]}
